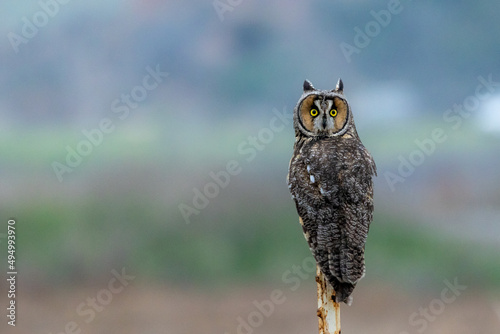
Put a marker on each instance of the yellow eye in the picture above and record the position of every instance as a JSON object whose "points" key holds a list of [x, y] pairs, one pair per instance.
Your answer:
{"points": [[314, 112], [333, 112]]}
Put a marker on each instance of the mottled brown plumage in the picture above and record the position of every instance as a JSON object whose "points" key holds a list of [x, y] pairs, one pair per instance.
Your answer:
{"points": [[330, 179]]}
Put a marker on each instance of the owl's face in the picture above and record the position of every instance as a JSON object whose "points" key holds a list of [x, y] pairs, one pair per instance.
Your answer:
{"points": [[322, 113]]}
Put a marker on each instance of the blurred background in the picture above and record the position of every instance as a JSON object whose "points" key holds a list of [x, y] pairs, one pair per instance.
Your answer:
{"points": [[150, 141]]}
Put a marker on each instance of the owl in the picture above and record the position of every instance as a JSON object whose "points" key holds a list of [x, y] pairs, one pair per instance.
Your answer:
{"points": [[330, 179]]}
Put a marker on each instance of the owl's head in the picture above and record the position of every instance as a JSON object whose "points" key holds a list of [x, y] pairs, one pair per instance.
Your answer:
{"points": [[323, 113]]}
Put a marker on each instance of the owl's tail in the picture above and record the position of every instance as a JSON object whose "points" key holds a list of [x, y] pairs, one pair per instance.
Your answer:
{"points": [[343, 292]]}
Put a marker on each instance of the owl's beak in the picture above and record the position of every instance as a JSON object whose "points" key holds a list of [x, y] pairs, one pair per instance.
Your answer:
{"points": [[324, 122]]}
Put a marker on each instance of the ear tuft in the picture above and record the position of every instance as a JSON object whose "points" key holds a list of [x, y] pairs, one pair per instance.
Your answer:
{"points": [[308, 86], [340, 86]]}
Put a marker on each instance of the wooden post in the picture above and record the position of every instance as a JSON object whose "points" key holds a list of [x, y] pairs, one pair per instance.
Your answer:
{"points": [[328, 310]]}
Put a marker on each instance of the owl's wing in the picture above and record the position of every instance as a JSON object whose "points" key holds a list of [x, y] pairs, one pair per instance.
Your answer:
{"points": [[329, 244], [355, 214], [347, 259]]}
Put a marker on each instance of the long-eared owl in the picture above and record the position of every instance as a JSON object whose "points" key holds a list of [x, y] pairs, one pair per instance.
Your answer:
{"points": [[330, 178]]}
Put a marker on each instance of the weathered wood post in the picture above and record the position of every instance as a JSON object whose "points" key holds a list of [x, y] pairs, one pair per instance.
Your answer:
{"points": [[328, 310]]}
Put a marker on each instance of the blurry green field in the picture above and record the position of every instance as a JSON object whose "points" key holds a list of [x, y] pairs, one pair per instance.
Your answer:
{"points": [[62, 244], [119, 208]]}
